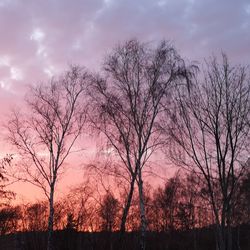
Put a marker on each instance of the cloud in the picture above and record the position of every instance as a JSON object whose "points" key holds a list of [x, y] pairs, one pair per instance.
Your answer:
{"points": [[40, 38]]}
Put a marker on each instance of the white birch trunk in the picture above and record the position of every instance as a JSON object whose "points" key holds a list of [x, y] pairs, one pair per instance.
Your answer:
{"points": [[51, 219], [142, 213]]}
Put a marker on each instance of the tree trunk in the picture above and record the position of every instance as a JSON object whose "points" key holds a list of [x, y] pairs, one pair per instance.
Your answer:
{"points": [[238, 237], [229, 237], [50, 245], [221, 238], [229, 228], [142, 213], [219, 225], [127, 205], [195, 238], [125, 213]]}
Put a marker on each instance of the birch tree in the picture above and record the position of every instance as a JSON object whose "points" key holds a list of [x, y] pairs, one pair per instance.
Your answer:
{"points": [[44, 136], [128, 99], [5, 195], [210, 134]]}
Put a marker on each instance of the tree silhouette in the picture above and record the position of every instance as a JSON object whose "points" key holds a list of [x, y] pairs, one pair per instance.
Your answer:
{"points": [[44, 136], [128, 101], [210, 134]]}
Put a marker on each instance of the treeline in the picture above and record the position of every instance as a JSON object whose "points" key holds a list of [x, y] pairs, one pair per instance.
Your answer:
{"points": [[145, 99], [179, 209]]}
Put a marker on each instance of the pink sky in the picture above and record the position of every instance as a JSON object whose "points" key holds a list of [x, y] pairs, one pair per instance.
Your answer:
{"points": [[40, 38]]}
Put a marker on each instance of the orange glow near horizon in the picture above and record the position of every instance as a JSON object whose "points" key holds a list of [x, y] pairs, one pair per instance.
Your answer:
{"points": [[41, 38]]}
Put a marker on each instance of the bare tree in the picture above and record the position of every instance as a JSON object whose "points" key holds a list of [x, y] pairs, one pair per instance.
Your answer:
{"points": [[129, 99], [35, 216], [9, 217], [242, 209], [210, 134], [5, 195], [79, 202], [45, 135], [108, 212], [167, 199]]}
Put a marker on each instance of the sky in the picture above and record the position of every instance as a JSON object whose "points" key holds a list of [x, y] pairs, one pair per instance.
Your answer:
{"points": [[40, 38]]}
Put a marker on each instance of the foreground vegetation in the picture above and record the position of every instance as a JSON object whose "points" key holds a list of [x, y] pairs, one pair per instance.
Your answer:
{"points": [[178, 218]]}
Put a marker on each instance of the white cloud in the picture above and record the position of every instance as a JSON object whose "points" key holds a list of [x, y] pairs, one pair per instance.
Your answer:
{"points": [[2, 84], [161, 3], [4, 60], [3, 3], [247, 9], [5, 84], [37, 35], [108, 2], [16, 74], [41, 51], [49, 71]]}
